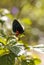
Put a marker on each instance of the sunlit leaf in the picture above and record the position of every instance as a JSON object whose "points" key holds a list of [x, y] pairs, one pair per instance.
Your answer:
{"points": [[10, 16], [26, 21], [4, 52], [3, 40], [37, 61]]}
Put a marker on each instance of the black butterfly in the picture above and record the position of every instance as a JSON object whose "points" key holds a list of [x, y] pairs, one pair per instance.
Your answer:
{"points": [[16, 26]]}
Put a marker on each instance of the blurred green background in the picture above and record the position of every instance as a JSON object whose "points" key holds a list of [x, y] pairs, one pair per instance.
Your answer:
{"points": [[31, 15]]}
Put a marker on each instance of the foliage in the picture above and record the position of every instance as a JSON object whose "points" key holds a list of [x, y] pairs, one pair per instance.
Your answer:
{"points": [[31, 15], [9, 53]]}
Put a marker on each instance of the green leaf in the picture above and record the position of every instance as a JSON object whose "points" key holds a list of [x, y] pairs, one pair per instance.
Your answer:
{"points": [[10, 16], [11, 41], [3, 40], [1, 22], [8, 59], [26, 21], [37, 61], [24, 62], [14, 49]]}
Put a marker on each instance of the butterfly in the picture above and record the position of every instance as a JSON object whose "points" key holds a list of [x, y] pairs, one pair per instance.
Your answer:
{"points": [[17, 27]]}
